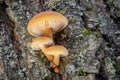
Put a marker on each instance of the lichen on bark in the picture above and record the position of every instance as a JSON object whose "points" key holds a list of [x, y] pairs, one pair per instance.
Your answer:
{"points": [[92, 38]]}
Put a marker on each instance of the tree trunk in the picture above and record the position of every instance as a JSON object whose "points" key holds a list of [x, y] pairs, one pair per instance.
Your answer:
{"points": [[92, 38]]}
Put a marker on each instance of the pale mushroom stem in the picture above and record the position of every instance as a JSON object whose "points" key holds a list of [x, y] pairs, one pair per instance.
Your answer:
{"points": [[49, 57], [56, 59], [48, 33]]}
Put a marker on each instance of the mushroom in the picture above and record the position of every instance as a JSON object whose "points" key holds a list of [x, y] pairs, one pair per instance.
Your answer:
{"points": [[56, 70], [55, 67], [57, 51], [47, 23], [42, 43]]}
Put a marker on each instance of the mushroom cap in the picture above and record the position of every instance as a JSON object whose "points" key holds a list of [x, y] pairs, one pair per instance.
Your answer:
{"points": [[57, 50], [41, 41], [44, 20]]}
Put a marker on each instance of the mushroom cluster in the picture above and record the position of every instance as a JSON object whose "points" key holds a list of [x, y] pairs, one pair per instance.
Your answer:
{"points": [[43, 26]]}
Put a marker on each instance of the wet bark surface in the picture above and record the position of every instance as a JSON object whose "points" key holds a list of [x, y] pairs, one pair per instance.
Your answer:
{"points": [[92, 38]]}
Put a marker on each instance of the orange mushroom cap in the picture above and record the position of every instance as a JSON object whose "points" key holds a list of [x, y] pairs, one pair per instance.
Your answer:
{"points": [[57, 51], [44, 20], [41, 43]]}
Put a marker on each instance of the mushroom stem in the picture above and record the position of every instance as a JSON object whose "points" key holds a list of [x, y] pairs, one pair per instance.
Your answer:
{"points": [[53, 65], [56, 70], [49, 57], [49, 33], [43, 49], [56, 59]]}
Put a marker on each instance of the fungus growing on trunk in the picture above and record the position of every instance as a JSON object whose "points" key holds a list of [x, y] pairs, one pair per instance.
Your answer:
{"points": [[57, 51], [42, 43], [46, 24], [43, 26]]}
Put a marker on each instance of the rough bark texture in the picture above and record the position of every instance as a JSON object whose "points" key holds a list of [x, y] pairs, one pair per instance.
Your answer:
{"points": [[92, 38]]}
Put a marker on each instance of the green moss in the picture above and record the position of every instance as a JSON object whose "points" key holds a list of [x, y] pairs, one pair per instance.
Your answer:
{"points": [[63, 11], [53, 1], [117, 67], [81, 73], [53, 5], [86, 32], [98, 35], [71, 19]]}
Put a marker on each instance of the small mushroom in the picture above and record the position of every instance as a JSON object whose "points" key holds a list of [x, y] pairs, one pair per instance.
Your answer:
{"points": [[55, 67], [56, 70], [47, 23], [42, 43], [57, 51]]}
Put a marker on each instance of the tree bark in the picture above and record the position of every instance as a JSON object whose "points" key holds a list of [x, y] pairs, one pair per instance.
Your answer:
{"points": [[92, 38]]}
